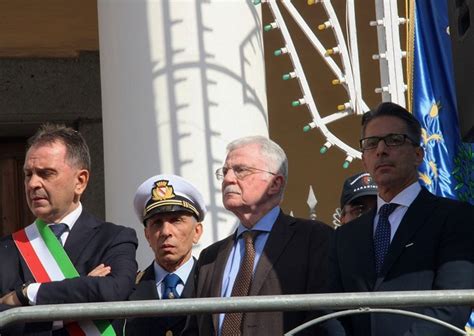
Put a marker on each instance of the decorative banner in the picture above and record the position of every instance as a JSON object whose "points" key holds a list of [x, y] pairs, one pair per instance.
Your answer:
{"points": [[448, 166], [433, 96]]}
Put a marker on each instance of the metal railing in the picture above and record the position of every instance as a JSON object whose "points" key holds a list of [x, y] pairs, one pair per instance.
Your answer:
{"points": [[300, 302]]}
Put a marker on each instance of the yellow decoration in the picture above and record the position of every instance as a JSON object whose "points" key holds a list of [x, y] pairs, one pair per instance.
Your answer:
{"points": [[425, 178], [434, 111], [426, 138], [434, 168]]}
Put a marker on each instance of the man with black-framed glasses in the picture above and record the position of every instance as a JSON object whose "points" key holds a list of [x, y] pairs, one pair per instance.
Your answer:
{"points": [[269, 254], [412, 240]]}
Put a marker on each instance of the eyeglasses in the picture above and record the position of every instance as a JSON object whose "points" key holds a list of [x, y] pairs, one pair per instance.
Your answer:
{"points": [[390, 140], [240, 171]]}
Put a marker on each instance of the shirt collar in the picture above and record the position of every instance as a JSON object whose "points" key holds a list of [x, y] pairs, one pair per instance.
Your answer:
{"points": [[265, 224], [182, 272], [404, 198], [71, 218]]}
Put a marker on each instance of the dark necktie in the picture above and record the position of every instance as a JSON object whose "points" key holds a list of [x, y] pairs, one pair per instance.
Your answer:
{"points": [[382, 235], [58, 230], [233, 321], [170, 282]]}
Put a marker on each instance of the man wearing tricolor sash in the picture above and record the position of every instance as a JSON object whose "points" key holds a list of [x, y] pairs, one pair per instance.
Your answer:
{"points": [[67, 255]]}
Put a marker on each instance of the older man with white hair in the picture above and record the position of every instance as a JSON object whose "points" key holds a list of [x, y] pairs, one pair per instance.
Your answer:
{"points": [[270, 253]]}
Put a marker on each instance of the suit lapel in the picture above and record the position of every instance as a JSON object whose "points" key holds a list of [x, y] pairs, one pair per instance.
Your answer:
{"points": [[82, 232], [146, 288], [218, 272], [280, 235], [413, 219], [188, 290], [364, 233], [218, 269]]}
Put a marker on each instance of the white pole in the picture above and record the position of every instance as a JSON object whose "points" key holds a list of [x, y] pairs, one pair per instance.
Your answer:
{"points": [[180, 79]]}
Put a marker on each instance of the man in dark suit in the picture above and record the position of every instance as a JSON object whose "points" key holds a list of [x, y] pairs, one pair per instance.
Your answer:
{"points": [[102, 263], [269, 254], [172, 210], [413, 240]]}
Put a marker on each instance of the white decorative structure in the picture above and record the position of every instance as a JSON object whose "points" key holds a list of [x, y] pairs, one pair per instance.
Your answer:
{"points": [[312, 202], [390, 56]]}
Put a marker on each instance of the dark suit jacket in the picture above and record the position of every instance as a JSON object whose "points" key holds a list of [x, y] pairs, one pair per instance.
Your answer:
{"points": [[90, 243], [433, 248], [294, 261], [146, 290]]}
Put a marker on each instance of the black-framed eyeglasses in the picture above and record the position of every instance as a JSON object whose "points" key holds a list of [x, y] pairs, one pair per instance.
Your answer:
{"points": [[390, 140], [240, 171]]}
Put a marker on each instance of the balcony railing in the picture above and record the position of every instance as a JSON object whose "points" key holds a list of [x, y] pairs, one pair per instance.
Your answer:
{"points": [[356, 303]]}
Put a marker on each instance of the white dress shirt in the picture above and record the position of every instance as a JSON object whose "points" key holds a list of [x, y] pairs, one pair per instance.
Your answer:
{"points": [[405, 198]]}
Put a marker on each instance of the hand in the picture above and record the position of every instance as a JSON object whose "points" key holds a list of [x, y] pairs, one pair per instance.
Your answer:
{"points": [[100, 271], [10, 299]]}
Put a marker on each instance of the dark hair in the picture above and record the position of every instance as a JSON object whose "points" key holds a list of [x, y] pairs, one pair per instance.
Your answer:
{"points": [[389, 109], [77, 151]]}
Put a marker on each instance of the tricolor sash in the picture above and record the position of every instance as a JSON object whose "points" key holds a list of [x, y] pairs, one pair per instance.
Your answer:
{"points": [[48, 261]]}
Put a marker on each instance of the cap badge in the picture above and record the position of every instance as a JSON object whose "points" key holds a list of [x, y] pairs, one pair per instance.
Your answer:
{"points": [[366, 180], [162, 191]]}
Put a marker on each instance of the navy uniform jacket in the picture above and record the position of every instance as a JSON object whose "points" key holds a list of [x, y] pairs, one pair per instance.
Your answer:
{"points": [[146, 290], [90, 243]]}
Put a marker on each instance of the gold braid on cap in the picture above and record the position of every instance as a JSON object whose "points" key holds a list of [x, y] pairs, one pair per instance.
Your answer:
{"points": [[181, 203]]}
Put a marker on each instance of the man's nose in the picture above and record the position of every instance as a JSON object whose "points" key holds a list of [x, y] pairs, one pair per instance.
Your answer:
{"points": [[381, 147], [33, 181], [229, 176], [166, 228]]}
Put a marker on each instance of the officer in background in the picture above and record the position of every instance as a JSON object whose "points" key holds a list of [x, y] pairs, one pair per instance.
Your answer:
{"points": [[171, 209], [359, 195]]}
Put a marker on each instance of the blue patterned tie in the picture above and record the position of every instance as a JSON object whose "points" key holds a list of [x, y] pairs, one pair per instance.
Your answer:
{"points": [[170, 282], [382, 235], [58, 230]]}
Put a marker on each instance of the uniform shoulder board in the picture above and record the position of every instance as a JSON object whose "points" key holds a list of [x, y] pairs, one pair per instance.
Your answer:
{"points": [[139, 277]]}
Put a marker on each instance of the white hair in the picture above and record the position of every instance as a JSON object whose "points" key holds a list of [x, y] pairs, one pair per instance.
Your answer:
{"points": [[273, 154]]}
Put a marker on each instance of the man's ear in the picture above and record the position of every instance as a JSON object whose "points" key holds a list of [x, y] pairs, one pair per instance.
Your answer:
{"points": [[82, 179], [276, 185], [147, 235], [419, 155], [197, 232]]}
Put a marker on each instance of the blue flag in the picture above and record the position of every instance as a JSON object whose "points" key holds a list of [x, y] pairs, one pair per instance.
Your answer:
{"points": [[448, 166], [433, 96]]}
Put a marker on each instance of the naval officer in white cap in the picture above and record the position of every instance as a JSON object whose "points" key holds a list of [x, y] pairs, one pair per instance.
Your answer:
{"points": [[172, 211]]}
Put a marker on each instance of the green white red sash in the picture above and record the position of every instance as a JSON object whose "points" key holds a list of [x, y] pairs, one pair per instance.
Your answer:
{"points": [[48, 261]]}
